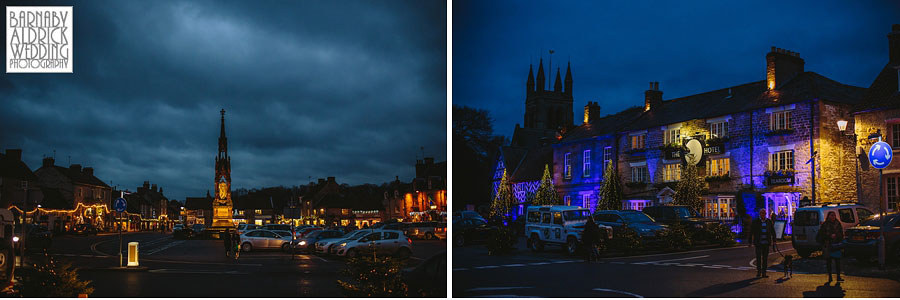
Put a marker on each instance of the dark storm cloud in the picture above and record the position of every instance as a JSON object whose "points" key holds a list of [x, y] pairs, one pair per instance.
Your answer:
{"points": [[311, 88], [617, 47]]}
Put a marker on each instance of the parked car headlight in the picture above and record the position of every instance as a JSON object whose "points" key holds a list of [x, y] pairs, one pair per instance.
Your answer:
{"points": [[343, 244], [302, 243], [15, 239]]}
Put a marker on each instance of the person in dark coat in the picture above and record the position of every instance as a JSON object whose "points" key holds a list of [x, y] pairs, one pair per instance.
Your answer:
{"points": [[762, 235], [590, 238], [227, 241], [830, 233]]}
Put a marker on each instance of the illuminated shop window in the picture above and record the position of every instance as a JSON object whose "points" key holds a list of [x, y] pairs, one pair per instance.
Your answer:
{"points": [[586, 164], [672, 172], [718, 167], [780, 120]]}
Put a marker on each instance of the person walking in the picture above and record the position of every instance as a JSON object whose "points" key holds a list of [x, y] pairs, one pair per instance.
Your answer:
{"points": [[228, 243], [762, 235], [589, 239], [831, 236]]}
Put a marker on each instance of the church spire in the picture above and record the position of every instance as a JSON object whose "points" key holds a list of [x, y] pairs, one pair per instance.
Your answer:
{"points": [[223, 141], [530, 83], [557, 86], [569, 78], [540, 76]]}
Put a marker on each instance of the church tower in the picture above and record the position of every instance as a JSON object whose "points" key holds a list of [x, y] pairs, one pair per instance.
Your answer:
{"points": [[545, 108], [222, 216]]}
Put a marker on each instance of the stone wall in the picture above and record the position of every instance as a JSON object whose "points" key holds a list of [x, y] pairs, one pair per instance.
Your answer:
{"points": [[865, 124]]}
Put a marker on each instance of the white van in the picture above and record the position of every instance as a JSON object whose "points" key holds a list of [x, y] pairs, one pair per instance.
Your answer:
{"points": [[558, 225], [808, 219]]}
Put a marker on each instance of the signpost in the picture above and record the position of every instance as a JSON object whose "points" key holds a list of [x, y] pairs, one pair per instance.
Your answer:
{"points": [[120, 206], [880, 155]]}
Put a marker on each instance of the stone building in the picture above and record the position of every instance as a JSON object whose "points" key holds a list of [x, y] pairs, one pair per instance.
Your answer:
{"points": [[326, 204], [254, 209], [879, 114], [89, 197], [152, 206], [764, 144], [198, 210]]}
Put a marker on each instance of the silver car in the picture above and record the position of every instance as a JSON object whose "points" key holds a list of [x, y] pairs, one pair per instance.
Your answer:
{"points": [[323, 246], [263, 239], [385, 242]]}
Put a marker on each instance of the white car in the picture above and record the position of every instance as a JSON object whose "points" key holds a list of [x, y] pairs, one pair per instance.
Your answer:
{"points": [[323, 246], [558, 225], [385, 242], [263, 239]]}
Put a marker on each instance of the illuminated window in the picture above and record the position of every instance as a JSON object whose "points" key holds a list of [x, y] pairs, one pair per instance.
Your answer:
{"points": [[639, 174], [718, 130], [257, 211], [780, 120], [672, 172], [717, 167], [586, 200], [568, 200], [586, 164], [637, 141], [240, 212], [672, 136], [781, 161], [719, 208], [568, 166], [345, 211], [893, 192]]}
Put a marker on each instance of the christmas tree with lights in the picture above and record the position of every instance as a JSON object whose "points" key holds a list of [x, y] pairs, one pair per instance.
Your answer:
{"points": [[611, 194], [546, 193]]}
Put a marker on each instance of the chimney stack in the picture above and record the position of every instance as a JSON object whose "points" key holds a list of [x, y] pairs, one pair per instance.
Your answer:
{"points": [[48, 162], [14, 153], [89, 171], [75, 167], [153, 187], [321, 180], [331, 179], [591, 112], [894, 44], [429, 160], [781, 66], [652, 97]]}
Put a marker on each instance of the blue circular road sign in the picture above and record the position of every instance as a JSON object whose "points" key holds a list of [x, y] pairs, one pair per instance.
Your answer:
{"points": [[880, 155], [120, 205]]}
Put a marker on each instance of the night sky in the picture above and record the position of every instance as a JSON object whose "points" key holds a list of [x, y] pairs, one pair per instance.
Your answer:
{"points": [[689, 47], [311, 89]]}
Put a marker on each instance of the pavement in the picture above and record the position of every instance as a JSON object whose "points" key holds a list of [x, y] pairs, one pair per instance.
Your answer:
{"points": [[718, 272], [199, 268]]}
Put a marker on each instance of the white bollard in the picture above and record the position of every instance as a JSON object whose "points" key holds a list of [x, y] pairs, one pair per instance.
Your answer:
{"points": [[132, 254]]}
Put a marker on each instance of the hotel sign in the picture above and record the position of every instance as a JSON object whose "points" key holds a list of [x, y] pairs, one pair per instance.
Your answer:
{"points": [[713, 149]]}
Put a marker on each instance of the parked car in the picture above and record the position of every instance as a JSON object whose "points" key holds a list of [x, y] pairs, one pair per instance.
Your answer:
{"points": [[467, 214], [182, 232], [244, 227], [301, 234], [671, 214], [395, 226], [468, 231], [862, 239], [308, 243], [558, 225], [285, 227], [326, 246], [424, 230], [37, 237], [263, 239], [644, 225], [385, 242], [807, 220], [428, 279], [85, 229]]}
